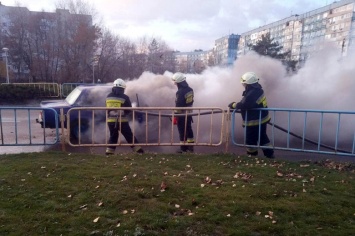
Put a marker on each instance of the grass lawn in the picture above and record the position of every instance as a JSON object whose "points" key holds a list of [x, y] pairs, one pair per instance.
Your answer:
{"points": [[57, 193]]}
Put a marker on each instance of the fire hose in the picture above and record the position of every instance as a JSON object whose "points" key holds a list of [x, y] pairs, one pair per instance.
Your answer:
{"points": [[269, 123]]}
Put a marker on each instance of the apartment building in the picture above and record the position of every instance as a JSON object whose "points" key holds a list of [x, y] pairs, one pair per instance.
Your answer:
{"points": [[308, 33], [226, 49], [193, 62], [224, 53]]}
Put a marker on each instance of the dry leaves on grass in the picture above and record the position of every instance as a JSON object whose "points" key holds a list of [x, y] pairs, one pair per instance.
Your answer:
{"points": [[208, 180], [288, 175], [243, 176]]}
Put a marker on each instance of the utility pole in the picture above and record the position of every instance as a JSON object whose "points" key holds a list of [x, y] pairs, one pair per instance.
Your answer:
{"points": [[7, 68]]}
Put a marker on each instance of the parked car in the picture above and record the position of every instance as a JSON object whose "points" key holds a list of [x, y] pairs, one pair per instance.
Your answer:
{"points": [[81, 96]]}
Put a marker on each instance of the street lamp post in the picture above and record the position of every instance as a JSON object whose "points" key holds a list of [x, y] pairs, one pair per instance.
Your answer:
{"points": [[7, 68], [94, 63], [93, 72]]}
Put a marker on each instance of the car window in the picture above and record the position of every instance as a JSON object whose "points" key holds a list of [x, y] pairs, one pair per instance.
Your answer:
{"points": [[73, 96]]}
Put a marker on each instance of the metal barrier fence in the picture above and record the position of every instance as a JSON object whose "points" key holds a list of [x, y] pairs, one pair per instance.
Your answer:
{"points": [[153, 126], [18, 127], [314, 131], [42, 89]]}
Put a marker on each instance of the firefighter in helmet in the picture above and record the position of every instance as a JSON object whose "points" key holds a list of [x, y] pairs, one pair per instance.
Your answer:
{"points": [[184, 98], [254, 97], [117, 120]]}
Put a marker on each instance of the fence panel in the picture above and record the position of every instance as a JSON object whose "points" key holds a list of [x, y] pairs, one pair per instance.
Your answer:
{"points": [[151, 125], [318, 131], [18, 127]]}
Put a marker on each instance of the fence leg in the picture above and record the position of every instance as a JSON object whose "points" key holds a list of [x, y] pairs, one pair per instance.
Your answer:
{"points": [[62, 136], [226, 120]]}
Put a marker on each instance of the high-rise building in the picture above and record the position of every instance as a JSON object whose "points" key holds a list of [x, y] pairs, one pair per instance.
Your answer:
{"points": [[193, 62], [307, 33], [225, 49]]}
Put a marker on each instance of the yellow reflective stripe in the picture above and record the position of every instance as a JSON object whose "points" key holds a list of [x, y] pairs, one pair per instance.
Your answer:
{"points": [[262, 99], [114, 102], [251, 150], [136, 148], [115, 119], [189, 97], [110, 150], [256, 122], [183, 111]]}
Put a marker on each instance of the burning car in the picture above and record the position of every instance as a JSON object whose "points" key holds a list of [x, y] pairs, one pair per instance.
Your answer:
{"points": [[81, 96]]}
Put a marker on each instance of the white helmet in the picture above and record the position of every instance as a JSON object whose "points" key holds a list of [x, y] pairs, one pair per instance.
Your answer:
{"points": [[249, 78], [178, 77], [119, 83]]}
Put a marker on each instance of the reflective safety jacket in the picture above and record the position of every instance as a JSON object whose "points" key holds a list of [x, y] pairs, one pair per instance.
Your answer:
{"points": [[117, 99], [184, 97], [253, 97]]}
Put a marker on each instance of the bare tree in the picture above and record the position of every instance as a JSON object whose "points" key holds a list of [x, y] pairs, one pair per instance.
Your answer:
{"points": [[157, 55], [15, 40], [65, 46]]}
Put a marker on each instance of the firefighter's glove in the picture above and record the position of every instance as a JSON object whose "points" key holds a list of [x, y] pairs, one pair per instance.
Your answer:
{"points": [[175, 120], [232, 105]]}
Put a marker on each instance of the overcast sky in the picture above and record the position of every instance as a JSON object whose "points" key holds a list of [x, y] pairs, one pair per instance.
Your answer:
{"points": [[185, 25]]}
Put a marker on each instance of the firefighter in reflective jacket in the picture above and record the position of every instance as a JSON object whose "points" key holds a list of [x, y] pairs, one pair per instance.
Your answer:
{"points": [[254, 97], [184, 98], [117, 120]]}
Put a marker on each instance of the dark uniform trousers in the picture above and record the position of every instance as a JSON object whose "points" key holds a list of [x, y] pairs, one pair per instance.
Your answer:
{"points": [[126, 131], [252, 137], [185, 135]]}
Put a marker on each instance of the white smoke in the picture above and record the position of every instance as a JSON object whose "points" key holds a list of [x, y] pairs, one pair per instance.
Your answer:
{"points": [[325, 82]]}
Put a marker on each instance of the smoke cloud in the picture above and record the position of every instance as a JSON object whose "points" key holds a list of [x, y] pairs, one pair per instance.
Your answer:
{"points": [[325, 82]]}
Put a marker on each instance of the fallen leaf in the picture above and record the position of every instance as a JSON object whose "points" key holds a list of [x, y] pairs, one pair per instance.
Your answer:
{"points": [[83, 206], [163, 186], [96, 219], [279, 174]]}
